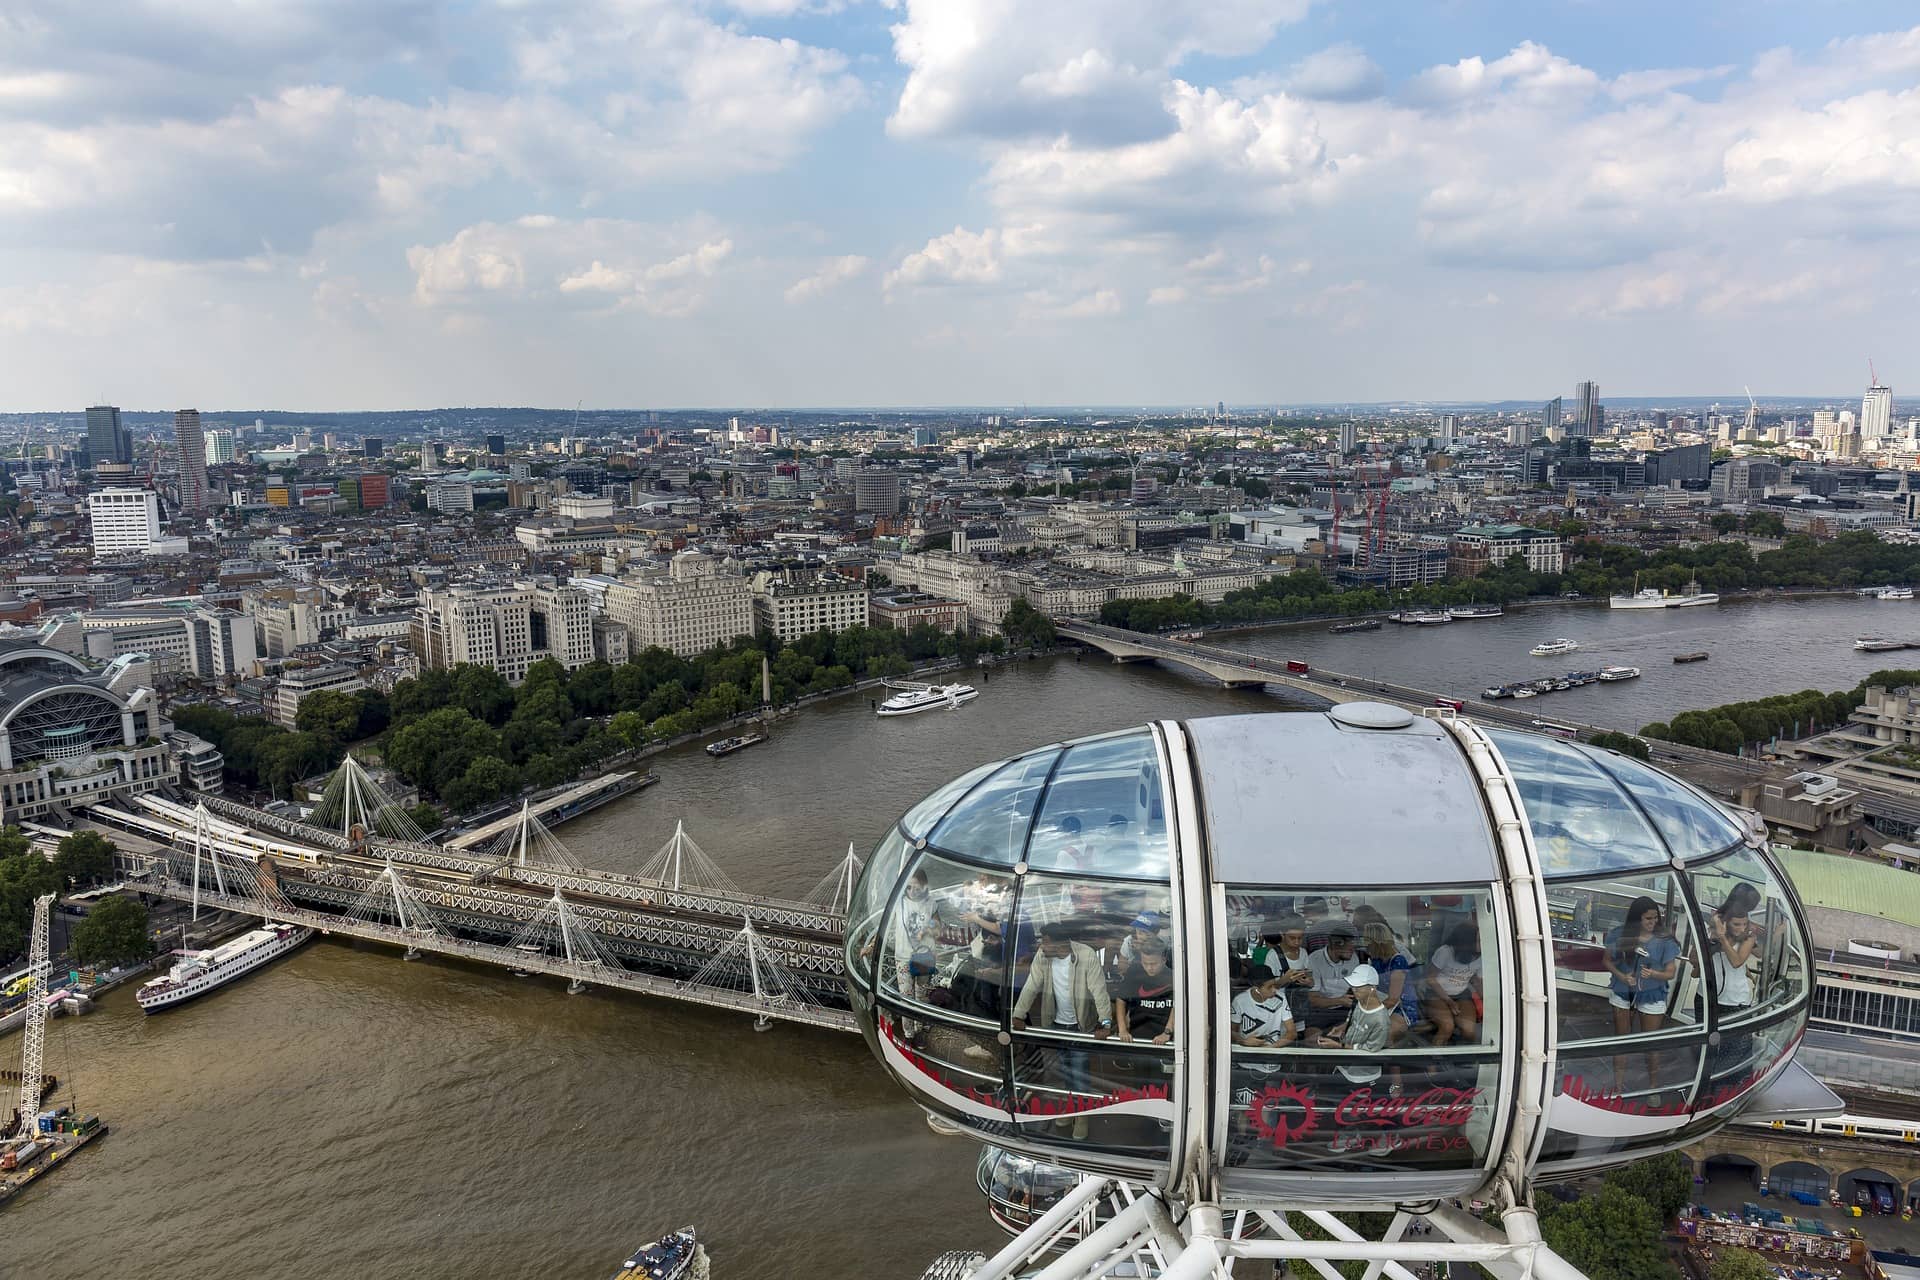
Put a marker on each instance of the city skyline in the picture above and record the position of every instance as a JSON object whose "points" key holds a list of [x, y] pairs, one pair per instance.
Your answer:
{"points": [[942, 204]]}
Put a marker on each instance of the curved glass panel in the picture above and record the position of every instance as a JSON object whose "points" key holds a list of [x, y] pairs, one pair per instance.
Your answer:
{"points": [[945, 947], [922, 816], [1102, 1096], [1693, 826], [1079, 955], [1104, 813], [959, 1072], [991, 823], [1756, 959], [1606, 1103], [1626, 958], [1581, 819], [1021, 1189], [870, 900]]}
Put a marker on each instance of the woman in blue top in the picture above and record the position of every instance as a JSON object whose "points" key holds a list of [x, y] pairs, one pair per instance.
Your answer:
{"points": [[1643, 959]]}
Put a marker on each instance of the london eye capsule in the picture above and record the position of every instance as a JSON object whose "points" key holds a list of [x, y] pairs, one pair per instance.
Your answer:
{"points": [[1359, 956]]}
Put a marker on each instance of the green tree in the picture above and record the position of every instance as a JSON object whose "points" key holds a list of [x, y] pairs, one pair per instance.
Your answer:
{"points": [[1724, 522], [1614, 1235], [332, 716], [1741, 1264], [114, 932], [1662, 1181], [487, 779], [1026, 627], [85, 857], [425, 816], [1765, 523]]}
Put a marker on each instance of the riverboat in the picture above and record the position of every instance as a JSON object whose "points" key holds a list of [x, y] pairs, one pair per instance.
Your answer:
{"points": [[925, 697], [1872, 644], [677, 1255], [198, 972], [1554, 648], [1692, 596], [1698, 655], [1358, 624], [727, 746], [1648, 598], [1466, 612], [1619, 673], [1894, 593]]}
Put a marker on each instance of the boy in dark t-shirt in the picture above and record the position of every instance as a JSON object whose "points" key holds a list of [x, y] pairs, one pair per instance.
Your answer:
{"points": [[1143, 997]]}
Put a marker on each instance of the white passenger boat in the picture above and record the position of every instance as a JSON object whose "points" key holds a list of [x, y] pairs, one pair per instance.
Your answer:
{"points": [[1646, 598], [1552, 648], [197, 972], [1894, 593], [1619, 673], [926, 697], [1693, 595]]}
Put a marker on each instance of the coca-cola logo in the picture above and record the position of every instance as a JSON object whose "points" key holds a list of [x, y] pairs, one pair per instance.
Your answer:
{"points": [[1285, 1112], [1448, 1107]]}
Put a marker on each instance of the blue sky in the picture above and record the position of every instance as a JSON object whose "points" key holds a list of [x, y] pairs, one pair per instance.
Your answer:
{"points": [[654, 203]]}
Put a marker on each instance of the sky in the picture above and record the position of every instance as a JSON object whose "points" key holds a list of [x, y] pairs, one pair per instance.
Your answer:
{"points": [[364, 204]]}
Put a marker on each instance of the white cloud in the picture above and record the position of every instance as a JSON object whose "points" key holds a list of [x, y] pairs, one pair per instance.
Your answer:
{"points": [[1531, 73], [541, 259], [959, 257], [1101, 302], [833, 273], [1167, 295], [1092, 69]]}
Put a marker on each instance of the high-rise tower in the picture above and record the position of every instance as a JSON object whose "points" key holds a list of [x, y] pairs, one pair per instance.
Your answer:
{"points": [[107, 440], [192, 446], [1876, 412]]}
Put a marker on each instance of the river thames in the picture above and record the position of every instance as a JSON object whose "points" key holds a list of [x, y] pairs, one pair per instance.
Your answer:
{"points": [[347, 1115]]}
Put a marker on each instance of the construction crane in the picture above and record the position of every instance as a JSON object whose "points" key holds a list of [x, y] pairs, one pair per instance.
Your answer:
{"points": [[39, 967]]}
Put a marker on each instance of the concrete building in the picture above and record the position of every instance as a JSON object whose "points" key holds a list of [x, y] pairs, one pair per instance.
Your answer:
{"points": [[1349, 437], [790, 607], [691, 607], [450, 496], [71, 734], [107, 440], [507, 628], [219, 446], [876, 490], [1586, 413], [1743, 479], [1551, 415], [1477, 547], [297, 684], [179, 638], [191, 446], [290, 618], [125, 521], [905, 610], [967, 579], [1876, 412]]}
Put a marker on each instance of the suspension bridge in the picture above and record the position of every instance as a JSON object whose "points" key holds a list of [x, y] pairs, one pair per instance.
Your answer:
{"points": [[358, 867]]}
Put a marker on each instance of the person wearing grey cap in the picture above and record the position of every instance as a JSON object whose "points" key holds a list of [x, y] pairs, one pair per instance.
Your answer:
{"points": [[1369, 1024]]}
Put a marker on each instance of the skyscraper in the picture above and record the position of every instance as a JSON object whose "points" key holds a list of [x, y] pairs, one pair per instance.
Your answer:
{"points": [[372, 446], [107, 440], [1550, 414], [497, 446], [219, 445], [192, 447], [1586, 417], [1349, 437], [1876, 412]]}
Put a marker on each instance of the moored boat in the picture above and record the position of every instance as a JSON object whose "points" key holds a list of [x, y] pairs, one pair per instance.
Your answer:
{"points": [[1698, 655], [196, 973], [1619, 673], [727, 746], [1462, 612], [1894, 593], [1358, 624]]}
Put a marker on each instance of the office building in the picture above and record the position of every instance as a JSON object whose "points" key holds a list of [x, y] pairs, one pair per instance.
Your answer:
{"points": [[183, 638], [1449, 428], [1876, 412], [1349, 437], [791, 607], [1550, 416], [1587, 412], [288, 619], [373, 446], [926, 436], [497, 446], [1477, 548], [191, 445], [1743, 479], [219, 446], [125, 521], [691, 607], [877, 490], [297, 684], [107, 440], [450, 496], [507, 628]]}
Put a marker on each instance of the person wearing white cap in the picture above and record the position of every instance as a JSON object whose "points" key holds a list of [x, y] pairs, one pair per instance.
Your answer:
{"points": [[1369, 1024]]}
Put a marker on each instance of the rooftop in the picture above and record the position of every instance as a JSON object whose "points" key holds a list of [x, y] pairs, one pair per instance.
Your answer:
{"points": [[1855, 885]]}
